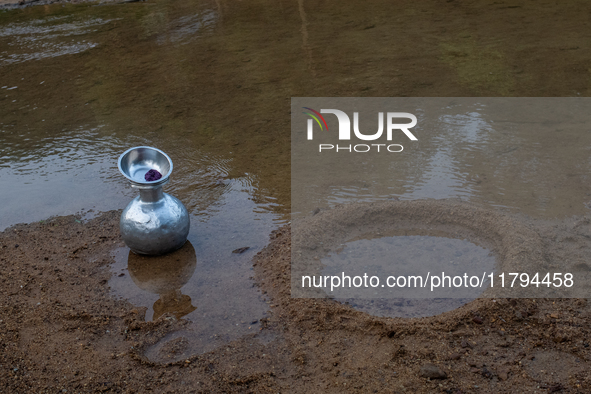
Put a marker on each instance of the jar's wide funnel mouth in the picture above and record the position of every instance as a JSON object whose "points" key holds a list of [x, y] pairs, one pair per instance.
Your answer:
{"points": [[135, 162]]}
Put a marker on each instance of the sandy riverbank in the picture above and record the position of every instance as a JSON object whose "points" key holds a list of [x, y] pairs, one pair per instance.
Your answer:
{"points": [[60, 329]]}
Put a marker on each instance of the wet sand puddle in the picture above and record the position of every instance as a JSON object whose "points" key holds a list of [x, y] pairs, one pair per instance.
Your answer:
{"points": [[207, 282], [213, 291], [399, 257]]}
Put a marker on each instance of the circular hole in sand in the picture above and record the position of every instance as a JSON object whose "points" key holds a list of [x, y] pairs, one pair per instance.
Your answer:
{"points": [[403, 265], [419, 238]]}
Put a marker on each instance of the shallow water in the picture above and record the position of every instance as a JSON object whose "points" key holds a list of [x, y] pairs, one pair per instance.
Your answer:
{"points": [[209, 286], [81, 83], [209, 83], [525, 155]]}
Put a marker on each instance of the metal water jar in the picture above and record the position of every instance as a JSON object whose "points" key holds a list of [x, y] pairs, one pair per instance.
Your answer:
{"points": [[154, 222]]}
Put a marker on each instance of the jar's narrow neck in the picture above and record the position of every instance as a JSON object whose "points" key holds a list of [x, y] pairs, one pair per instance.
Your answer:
{"points": [[151, 194]]}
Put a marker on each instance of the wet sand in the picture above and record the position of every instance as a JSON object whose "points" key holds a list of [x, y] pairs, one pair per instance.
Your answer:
{"points": [[62, 330]]}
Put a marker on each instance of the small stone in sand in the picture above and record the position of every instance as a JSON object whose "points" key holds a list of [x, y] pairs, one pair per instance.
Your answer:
{"points": [[432, 371]]}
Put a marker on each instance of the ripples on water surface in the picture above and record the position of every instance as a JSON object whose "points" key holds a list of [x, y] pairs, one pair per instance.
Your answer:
{"points": [[203, 82], [50, 37], [521, 155]]}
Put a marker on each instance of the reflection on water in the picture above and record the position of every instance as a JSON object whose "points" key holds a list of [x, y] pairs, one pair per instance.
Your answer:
{"points": [[522, 155], [442, 173], [50, 37], [164, 276], [74, 170], [57, 174], [199, 81], [203, 282], [185, 28]]}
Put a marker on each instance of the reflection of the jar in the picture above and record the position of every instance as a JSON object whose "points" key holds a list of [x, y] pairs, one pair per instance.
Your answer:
{"points": [[165, 275]]}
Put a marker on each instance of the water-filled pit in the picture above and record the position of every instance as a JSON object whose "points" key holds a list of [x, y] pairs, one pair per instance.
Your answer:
{"points": [[401, 263]]}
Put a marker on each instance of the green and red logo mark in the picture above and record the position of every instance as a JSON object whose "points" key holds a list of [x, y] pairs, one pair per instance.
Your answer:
{"points": [[315, 116]]}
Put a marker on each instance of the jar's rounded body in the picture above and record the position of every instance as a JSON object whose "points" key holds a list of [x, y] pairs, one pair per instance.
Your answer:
{"points": [[155, 225]]}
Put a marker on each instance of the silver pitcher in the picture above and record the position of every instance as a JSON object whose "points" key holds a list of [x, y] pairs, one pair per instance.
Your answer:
{"points": [[154, 222]]}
